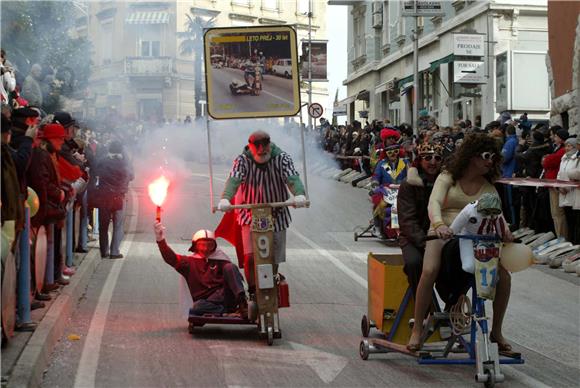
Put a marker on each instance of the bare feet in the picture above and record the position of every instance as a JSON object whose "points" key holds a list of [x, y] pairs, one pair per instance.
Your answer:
{"points": [[415, 341]]}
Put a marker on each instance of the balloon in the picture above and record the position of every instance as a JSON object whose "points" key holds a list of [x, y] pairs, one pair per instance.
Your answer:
{"points": [[516, 257], [33, 202]]}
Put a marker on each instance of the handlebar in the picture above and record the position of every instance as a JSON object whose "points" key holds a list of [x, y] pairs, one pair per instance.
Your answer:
{"points": [[262, 205]]}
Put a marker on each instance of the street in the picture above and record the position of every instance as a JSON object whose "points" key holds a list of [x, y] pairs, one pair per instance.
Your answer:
{"points": [[133, 330], [276, 93]]}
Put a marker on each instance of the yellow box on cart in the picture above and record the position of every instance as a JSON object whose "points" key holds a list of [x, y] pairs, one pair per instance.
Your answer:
{"points": [[387, 285]]}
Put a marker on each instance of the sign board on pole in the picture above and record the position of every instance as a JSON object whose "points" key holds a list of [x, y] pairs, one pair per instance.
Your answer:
{"points": [[236, 60], [318, 70], [423, 8], [470, 45], [469, 72], [315, 110]]}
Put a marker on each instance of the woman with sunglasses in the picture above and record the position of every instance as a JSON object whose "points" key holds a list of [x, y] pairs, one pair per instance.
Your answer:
{"points": [[392, 170], [471, 172]]}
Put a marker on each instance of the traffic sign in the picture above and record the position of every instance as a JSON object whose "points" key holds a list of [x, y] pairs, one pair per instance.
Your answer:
{"points": [[315, 110]]}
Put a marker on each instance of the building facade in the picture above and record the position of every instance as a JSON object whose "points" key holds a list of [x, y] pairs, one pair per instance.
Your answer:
{"points": [[506, 73], [564, 63], [140, 70]]}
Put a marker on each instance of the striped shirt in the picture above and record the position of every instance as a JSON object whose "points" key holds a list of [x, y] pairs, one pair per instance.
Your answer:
{"points": [[263, 183]]}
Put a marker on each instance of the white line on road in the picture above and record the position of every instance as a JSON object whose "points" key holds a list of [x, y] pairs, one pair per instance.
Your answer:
{"points": [[278, 97], [87, 369], [339, 264]]}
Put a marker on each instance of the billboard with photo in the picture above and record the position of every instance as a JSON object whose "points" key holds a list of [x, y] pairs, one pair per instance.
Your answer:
{"points": [[318, 61], [251, 72]]}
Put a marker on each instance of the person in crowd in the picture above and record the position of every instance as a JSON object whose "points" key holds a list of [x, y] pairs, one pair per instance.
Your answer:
{"points": [[471, 172], [113, 174], [392, 170], [215, 284], [7, 79], [551, 164], [509, 194], [574, 175], [412, 207], [567, 195], [536, 202], [31, 89], [43, 177], [260, 174]]}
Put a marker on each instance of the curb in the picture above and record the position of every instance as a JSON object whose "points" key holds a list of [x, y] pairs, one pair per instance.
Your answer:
{"points": [[33, 360]]}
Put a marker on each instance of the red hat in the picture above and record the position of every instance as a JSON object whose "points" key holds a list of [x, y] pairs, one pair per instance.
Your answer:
{"points": [[386, 133], [53, 131]]}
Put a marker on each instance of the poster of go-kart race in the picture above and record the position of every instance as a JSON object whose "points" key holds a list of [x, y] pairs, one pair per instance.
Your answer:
{"points": [[251, 72]]}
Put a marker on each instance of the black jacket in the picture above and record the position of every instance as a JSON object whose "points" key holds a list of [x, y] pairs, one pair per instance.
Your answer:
{"points": [[531, 159], [412, 202]]}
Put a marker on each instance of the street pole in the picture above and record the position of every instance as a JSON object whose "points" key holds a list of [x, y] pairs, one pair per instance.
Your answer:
{"points": [[309, 61], [415, 71]]}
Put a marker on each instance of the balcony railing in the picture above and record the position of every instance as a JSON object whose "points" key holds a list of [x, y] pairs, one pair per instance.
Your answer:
{"points": [[149, 66]]}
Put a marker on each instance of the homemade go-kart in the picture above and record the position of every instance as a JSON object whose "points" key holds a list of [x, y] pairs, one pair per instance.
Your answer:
{"points": [[252, 86], [390, 227], [271, 287], [391, 306]]}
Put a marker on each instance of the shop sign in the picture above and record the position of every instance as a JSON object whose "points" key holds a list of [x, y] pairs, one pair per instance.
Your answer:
{"points": [[469, 72], [469, 45]]}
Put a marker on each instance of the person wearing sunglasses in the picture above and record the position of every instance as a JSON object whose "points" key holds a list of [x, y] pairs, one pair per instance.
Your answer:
{"points": [[263, 173], [412, 203], [392, 170], [471, 172]]}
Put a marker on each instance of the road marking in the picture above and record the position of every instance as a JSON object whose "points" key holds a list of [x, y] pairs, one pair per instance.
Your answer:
{"points": [[324, 253], [87, 369], [278, 97], [523, 378], [326, 365]]}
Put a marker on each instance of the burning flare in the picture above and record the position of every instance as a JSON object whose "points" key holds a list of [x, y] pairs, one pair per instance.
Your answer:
{"points": [[158, 190]]}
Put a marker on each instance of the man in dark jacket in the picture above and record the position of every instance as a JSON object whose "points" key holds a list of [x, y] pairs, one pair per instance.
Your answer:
{"points": [[412, 202], [114, 173]]}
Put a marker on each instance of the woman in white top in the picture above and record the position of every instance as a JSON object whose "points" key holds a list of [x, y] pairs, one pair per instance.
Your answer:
{"points": [[567, 172]]}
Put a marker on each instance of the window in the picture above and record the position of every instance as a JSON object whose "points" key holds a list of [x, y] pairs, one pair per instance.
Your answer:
{"points": [[395, 18], [359, 36], [150, 48], [386, 36], [271, 5], [303, 7], [245, 3], [427, 91], [107, 43]]}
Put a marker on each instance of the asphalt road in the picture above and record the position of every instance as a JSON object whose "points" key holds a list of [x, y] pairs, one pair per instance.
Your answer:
{"points": [[133, 332], [276, 94]]}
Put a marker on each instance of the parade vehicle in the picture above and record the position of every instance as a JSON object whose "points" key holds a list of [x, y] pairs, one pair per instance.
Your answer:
{"points": [[391, 306], [271, 287], [390, 227], [252, 86]]}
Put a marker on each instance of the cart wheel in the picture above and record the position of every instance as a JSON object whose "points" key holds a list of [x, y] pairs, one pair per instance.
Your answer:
{"points": [[191, 328], [490, 383], [270, 336], [364, 350], [355, 236], [365, 326], [252, 311]]}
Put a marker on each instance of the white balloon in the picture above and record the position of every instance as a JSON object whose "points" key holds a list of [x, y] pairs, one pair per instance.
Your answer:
{"points": [[516, 257]]}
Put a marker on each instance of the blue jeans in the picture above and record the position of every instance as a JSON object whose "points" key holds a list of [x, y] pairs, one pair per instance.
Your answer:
{"points": [[225, 298], [118, 216]]}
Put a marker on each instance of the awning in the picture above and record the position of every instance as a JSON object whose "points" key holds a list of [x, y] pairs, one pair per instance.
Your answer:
{"points": [[363, 95], [435, 64], [345, 101], [404, 81], [148, 18]]}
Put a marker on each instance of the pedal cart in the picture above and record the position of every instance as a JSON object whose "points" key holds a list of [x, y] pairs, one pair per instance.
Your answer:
{"points": [[391, 306], [390, 227], [271, 287]]}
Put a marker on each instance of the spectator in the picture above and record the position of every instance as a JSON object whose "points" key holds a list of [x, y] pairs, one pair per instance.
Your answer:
{"points": [[31, 89], [551, 164], [567, 195], [113, 173]]}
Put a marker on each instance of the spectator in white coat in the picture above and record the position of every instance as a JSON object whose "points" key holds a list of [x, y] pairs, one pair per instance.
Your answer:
{"points": [[567, 195], [573, 171]]}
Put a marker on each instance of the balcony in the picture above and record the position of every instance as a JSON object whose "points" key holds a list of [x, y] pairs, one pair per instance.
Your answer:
{"points": [[149, 66]]}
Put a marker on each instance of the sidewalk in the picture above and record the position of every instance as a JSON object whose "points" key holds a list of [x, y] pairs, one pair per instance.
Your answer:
{"points": [[26, 356]]}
